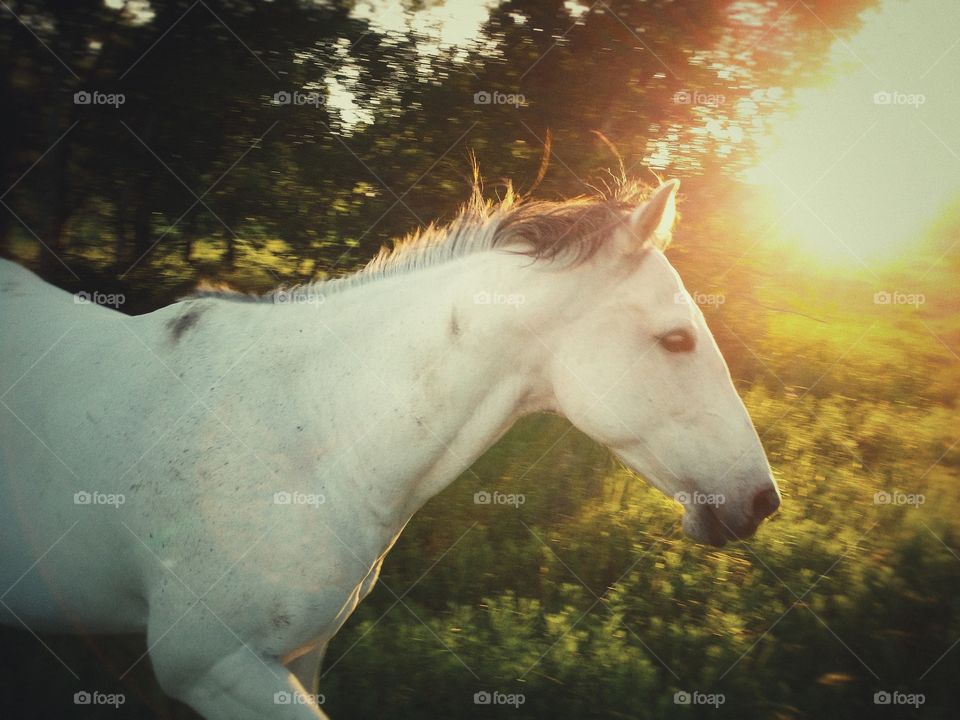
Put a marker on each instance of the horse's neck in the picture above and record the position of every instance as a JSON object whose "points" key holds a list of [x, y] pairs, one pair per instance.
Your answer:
{"points": [[439, 362]]}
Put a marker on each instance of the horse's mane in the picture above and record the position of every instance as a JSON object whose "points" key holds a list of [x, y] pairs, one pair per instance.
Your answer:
{"points": [[563, 231]]}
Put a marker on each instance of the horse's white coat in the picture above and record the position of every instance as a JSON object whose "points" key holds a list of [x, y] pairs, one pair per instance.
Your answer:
{"points": [[371, 402]]}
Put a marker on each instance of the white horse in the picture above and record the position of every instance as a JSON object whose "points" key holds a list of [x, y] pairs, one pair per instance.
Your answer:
{"points": [[227, 474]]}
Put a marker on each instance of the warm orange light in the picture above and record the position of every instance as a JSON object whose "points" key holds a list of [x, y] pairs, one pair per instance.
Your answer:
{"points": [[868, 161]]}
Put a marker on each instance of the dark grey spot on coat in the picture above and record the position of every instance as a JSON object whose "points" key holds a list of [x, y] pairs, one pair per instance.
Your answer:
{"points": [[180, 324], [454, 324]]}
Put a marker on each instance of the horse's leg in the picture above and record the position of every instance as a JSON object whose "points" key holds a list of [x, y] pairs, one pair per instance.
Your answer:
{"points": [[243, 686], [306, 668], [223, 680]]}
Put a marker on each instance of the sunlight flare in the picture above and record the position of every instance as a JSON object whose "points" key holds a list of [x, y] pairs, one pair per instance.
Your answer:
{"points": [[870, 159]]}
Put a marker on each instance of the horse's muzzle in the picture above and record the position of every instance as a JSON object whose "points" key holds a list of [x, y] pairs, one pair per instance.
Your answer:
{"points": [[709, 526]]}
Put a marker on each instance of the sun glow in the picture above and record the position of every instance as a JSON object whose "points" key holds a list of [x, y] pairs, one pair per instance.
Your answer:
{"points": [[870, 159]]}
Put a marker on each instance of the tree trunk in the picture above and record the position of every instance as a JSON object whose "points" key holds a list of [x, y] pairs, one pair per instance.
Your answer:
{"points": [[120, 257], [230, 257], [189, 235], [142, 232], [51, 257]]}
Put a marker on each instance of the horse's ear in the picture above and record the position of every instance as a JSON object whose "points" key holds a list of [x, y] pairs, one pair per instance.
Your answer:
{"points": [[652, 222]]}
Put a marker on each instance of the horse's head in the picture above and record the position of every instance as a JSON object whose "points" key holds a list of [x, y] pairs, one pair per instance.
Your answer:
{"points": [[638, 370]]}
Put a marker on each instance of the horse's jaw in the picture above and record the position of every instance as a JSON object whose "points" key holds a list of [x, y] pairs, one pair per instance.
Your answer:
{"points": [[701, 524]]}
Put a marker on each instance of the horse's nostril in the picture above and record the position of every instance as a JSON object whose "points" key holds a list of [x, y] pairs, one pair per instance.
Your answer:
{"points": [[765, 503]]}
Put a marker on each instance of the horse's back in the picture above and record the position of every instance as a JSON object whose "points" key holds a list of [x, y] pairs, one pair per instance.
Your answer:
{"points": [[141, 456], [34, 316], [111, 455], [51, 449]]}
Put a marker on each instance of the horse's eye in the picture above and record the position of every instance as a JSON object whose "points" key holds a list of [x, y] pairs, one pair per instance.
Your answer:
{"points": [[677, 341]]}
